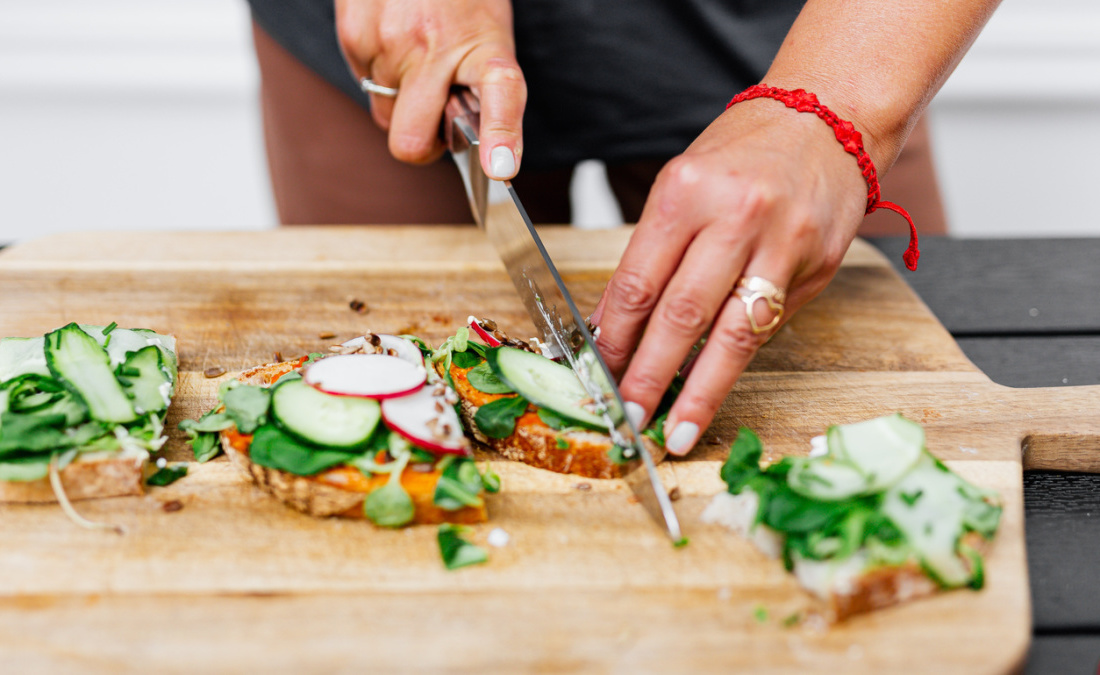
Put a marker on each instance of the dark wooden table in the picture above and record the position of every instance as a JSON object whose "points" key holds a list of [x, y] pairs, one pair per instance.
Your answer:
{"points": [[1027, 312]]}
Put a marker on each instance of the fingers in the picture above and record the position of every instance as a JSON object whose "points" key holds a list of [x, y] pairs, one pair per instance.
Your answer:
{"points": [[422, 48], [686, 309], [417, 111], [746, 320], [666, 229], [502, 91]]}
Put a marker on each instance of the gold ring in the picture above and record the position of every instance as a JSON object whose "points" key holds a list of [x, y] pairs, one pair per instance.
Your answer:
{"points": [[751, 289]]}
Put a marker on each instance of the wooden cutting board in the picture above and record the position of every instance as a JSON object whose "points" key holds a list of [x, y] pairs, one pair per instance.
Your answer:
{"points": [[236, 582]]}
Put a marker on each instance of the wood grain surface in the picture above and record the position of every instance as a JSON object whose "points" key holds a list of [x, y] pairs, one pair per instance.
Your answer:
{"points": [[236, 582]]}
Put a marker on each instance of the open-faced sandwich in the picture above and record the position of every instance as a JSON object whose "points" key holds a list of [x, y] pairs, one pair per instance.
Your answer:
{"points": [[80, 410], [872, 521], [368, 432], [528, 407]]}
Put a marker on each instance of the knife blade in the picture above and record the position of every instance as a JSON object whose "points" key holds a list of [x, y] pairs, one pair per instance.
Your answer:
{"points": [[499, 213]]}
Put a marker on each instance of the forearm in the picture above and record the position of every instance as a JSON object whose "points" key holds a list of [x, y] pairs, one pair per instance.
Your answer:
{"points": [[878, 63]]}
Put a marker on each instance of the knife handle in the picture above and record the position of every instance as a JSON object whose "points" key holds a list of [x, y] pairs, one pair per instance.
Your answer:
{"points": [[461, 120]]}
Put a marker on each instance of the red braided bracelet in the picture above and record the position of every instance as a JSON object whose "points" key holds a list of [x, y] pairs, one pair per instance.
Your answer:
{"points": [[804, 101]]}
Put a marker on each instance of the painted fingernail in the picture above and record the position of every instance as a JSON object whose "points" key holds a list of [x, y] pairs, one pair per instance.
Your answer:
{"points": [[682, 437], [635, 413], [502, 163]]}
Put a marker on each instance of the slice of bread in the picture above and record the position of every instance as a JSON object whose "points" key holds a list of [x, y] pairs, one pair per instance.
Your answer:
{"points": [[841, 589], [89, 476], [341, 490], [574, 451]]}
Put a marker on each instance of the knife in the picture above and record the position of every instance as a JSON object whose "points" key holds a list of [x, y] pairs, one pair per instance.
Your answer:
{"points": [[498, 211]]}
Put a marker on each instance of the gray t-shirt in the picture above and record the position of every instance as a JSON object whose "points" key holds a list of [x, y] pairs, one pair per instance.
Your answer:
{"points": [[616, 80]]}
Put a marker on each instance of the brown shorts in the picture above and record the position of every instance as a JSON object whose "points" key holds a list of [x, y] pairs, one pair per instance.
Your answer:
{"points": [[329, 164]]}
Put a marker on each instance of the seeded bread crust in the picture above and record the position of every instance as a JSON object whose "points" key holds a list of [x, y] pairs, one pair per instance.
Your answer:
{"points": [[85, 478], [321, 495]]}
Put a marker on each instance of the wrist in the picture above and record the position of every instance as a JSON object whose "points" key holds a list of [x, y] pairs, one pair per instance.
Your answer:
{"points": [[881, 117], [849, 137]]}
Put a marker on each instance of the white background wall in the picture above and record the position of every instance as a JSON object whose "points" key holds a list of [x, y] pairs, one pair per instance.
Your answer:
{"points": [[136, 114]]}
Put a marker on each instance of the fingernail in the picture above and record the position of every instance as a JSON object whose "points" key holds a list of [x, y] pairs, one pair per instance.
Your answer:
{"points": [[682, 437], [635, 413], [502, 163]]}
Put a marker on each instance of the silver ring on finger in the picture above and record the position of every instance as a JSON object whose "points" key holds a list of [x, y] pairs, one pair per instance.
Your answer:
{"points": [[371, 87], [753, 289]]}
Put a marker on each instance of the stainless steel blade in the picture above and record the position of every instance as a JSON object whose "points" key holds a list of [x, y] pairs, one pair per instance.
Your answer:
{"points": [[499, 212]]}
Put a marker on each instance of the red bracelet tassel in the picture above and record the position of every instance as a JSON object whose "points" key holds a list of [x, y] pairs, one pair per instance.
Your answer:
{"points": [[804, 101]]}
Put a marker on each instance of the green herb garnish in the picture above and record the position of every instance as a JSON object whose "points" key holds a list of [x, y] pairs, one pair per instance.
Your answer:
{"points": [[109, 327], [497, 419], [482, 378], [273, 448], [456, 551], [390, 505], [167, 475]]}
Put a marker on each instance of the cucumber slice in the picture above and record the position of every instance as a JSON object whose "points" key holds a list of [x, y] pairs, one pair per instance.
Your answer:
{"points": [[928, 506], [150, 388], [544, 382], [22, 356], [826, 479], [77, 359], [883, 449], [340, 422]]}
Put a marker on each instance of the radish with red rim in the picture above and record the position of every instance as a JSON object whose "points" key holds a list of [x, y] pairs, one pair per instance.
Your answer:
{"points": [[399, 346], [377, 376], [483, 334], [426, 419]]}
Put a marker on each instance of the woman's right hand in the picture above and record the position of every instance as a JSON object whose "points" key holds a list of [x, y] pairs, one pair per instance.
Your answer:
{"points": [[422, 48]]}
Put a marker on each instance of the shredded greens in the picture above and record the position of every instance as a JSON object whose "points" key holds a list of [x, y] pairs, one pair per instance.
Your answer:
{"points": [[887, 525]]}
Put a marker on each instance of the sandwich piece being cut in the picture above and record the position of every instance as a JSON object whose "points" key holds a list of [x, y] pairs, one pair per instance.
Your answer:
{"points": [[81, 409], [530, 408], [873, 521], [359, 434]]}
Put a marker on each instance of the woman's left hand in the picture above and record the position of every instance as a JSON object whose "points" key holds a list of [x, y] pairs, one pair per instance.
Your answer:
{"points": [[763, 192]]}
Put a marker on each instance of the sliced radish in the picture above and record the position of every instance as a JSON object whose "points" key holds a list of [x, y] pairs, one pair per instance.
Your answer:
{"points": [[485, 336], [371, 375], [402, 348], [427, 420]]}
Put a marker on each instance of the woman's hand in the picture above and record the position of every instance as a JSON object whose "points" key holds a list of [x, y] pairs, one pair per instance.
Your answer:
{"points": [[763, 192], [422, 47]]}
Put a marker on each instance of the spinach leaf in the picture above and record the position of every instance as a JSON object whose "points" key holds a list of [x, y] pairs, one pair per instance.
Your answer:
{"points": [[467, 359], [211, 422], [656, 429], [203, 434], [482, 378], [477, 348], [247, 406], [167, 475], [497, 419], [553, 420], [276, 450], [743, 463], [456, 551], [205, 447]]}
